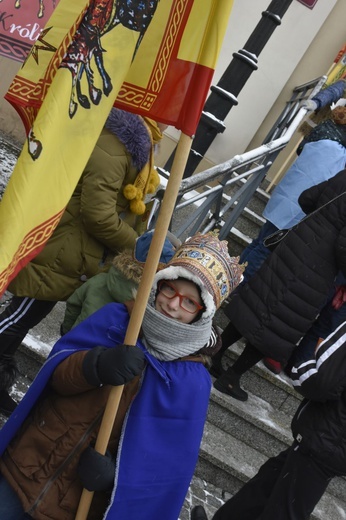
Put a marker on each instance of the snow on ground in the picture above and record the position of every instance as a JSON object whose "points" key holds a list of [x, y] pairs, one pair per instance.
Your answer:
{"points": [[8, 159], [41, 347]]}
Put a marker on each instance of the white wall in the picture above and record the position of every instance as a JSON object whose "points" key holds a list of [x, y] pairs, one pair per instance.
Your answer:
{"points": [[276, 63]]}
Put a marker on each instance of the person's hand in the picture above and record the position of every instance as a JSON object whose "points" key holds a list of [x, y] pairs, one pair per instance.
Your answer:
{"points": [[339, 297], [112, 366], [309, 105], [96, 471]]}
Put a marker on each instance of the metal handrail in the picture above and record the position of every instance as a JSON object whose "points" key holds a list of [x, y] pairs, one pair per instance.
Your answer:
{"points": [[210, 205]]}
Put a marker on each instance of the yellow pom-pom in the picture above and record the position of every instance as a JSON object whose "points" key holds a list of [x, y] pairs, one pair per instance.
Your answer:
{"points": [[139, 194], [130, 191], [137, 207], [151, 188]]}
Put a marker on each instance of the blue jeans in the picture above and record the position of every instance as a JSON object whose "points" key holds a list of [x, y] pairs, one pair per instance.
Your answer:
{"points": [[10, 505], [255, 253]]}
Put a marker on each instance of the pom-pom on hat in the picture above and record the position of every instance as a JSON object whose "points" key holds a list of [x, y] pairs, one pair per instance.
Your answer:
{"points": [[147, 180], [204, 259]]}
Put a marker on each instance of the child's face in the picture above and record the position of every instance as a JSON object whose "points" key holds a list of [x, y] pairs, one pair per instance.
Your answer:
{"points": [[178, 299]]}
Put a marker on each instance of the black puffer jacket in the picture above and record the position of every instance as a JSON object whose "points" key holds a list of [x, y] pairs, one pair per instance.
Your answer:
{"points": [[277, 306], [320, 421]]}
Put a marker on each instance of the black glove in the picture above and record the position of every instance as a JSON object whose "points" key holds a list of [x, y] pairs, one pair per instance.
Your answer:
{"points": [[96, 471], [112, 366]]}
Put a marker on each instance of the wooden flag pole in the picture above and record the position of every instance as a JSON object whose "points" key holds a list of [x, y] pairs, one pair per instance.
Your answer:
{"points": [[161, 228], [284, 166]]}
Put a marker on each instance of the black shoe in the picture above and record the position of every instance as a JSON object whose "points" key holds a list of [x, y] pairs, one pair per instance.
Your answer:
{"points": [[198, 513], [228, 384], [7, 404]]}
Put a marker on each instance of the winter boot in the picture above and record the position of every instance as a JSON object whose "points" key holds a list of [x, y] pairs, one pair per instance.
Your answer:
{"points": [[8, 374], [228, 384], [198, 513], [272, 365]]}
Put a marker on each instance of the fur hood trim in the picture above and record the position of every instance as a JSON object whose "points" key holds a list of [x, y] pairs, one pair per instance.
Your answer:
{"points": [[128, 266], [132, 132]]}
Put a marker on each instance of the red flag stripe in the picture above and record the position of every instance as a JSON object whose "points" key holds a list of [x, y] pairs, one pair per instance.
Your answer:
{"points": [[30, 246]]}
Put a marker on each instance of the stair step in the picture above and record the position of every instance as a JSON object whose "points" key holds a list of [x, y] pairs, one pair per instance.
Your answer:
{"points": [[255, 422], [258, 425], [229, 463], [225, 460], [274, 389]]}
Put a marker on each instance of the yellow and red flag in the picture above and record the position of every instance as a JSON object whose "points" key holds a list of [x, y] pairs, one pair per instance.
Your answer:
{"points": [[155, 58], [338, 69]]}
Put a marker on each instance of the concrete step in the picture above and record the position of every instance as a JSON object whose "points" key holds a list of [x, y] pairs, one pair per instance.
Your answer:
{"points": [[276, 390], [255, 422], [258, 425], [229, 463], [225, 460]]}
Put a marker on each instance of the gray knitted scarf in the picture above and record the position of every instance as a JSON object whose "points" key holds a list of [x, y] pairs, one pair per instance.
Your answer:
{"points": [[167, 339]]}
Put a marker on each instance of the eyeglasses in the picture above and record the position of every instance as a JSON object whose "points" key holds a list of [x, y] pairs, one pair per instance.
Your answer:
{"points": [[185, 302]]}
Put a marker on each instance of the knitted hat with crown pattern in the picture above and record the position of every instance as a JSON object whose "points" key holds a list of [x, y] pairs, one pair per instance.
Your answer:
{"points": [[204, 259]]}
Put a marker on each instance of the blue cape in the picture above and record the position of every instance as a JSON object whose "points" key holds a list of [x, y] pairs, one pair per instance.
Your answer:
{"points": [[161, 433]]}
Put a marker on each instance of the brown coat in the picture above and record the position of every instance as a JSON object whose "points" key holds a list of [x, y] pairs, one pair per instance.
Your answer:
{"points": [[41, 462]]}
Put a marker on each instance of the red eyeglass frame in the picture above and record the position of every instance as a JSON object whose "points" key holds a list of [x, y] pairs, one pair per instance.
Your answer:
{"points": [[180, 296]]}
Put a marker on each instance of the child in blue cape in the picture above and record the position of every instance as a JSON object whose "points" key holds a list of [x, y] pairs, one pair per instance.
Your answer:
{"points": [[47, 443]]}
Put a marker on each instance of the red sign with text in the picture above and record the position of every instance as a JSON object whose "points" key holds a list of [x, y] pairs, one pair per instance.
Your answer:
{"points": [[21, 22]]}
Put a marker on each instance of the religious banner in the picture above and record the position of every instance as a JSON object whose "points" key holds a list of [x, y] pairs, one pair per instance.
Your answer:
{"points": [[155, 58], [171, 81], [21, 22]]}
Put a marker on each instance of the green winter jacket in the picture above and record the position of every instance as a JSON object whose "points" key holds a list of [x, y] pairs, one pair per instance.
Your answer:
{"points": [[118, 285], [92, 229]]}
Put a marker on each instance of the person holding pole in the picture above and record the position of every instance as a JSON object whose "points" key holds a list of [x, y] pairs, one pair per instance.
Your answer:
{"points": [[47, 444]]}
